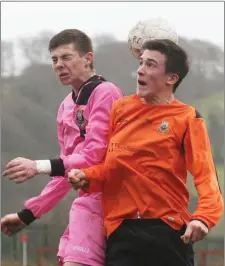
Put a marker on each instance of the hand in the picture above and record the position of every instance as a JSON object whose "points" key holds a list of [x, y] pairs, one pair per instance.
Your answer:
{"points": [[195, 231], [20, 170], [77, 179], [11, 224]]}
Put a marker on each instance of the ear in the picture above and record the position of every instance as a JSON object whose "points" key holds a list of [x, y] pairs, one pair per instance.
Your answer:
{"points": [[172, 78], [89, 58]]}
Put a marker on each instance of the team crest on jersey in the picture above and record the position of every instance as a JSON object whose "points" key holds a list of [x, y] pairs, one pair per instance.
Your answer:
{"points": [[80, 119], [163, 127]]}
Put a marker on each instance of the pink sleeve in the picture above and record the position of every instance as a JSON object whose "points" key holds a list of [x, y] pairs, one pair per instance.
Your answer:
{"points": [[96, 139], [55, 190]]}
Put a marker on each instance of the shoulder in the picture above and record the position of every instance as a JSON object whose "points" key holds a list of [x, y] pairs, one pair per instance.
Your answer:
{"points": [[66, 101], [65, 105], [190, 111], [125, 100], [108, 89]]}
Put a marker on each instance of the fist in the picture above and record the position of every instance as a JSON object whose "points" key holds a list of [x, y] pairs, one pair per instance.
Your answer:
{"points": [[11, 224], [77, 179]]}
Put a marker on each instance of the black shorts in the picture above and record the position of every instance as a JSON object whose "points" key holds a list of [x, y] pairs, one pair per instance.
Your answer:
{"points": [[145, 242]]}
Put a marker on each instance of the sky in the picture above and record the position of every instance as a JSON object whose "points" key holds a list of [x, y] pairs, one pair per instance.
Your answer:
{"points": [[201, 20]]}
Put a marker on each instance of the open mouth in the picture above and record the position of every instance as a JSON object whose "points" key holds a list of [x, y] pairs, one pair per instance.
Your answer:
{"points": [[142, 83], [63, 75]]}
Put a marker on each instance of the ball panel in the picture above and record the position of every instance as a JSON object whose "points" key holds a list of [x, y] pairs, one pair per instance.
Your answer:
{"points": [[157, 28]]}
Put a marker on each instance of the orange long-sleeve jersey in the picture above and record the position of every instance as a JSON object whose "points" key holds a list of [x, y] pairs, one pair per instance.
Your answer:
{"points": [[151, 148]]}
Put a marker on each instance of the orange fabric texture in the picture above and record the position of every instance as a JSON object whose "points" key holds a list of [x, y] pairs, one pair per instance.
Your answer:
{"points": [[151, 148]]}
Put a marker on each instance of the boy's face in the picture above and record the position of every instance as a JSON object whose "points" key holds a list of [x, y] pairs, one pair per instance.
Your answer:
{"points": [[69, 65]]}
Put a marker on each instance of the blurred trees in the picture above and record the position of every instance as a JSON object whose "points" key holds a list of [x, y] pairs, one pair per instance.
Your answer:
{"points": [[8, 57], [35, 49]]}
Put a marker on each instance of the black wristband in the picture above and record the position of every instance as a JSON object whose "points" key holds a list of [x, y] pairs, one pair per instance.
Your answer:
{"points": [[26, 216], [58, 168]]}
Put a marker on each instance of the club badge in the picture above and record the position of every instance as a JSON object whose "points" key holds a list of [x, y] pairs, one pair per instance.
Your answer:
{"points": [[80, 120], [163, 127]]}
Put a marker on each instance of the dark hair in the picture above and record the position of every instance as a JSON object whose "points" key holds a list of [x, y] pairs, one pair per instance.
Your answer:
{"points": [[82, 43], [176, 57]]}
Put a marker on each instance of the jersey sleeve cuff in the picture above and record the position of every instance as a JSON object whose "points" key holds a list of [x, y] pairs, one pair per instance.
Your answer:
{"points": [[26, 216], [58, 168]]}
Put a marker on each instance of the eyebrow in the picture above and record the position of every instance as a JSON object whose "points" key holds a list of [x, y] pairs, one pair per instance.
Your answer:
{"points": [[150, 60], [66, 54]]}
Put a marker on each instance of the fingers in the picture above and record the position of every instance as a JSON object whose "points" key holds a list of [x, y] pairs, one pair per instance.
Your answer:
{"points": [[75, 175], [187, 235], [196, 235], [4, 228], [14, 162], [77, 178], [74, 172], [74, 180], [195, 231], [7, 232], [21, 179], [16, 175], [3, 224], [79, 185], [12, 171]]}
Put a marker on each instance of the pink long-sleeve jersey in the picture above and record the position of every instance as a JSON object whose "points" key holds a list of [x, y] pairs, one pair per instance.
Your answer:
{"points": [[83, 125]]}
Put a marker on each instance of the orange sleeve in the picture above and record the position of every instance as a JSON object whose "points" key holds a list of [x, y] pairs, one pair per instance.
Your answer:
{"points": [[96, 174], [200, 164]]}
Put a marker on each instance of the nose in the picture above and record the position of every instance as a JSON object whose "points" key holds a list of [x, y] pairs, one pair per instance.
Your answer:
{"points": [[59, 64], [140, 70]]}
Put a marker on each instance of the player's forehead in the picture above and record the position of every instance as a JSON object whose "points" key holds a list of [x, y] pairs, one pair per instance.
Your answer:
{"points": [[65, 49], [153, 55]]}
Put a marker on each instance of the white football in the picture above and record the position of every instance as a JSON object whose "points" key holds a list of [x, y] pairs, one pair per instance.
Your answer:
{"points": [[151, 29]]}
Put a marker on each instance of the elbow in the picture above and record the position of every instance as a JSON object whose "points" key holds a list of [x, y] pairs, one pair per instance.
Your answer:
{"points": [[218, 211], [221, 206]]}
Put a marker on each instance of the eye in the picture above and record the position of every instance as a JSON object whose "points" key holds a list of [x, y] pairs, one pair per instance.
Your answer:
{"points": [[150, 64], [67, 57], [54, 61]]}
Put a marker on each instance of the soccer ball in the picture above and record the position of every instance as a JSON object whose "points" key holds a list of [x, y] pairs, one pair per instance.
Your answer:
{"points": [[151, 29]]}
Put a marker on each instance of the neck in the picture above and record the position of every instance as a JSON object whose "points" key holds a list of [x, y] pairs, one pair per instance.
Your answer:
{"points": [[82, 79], [163, 98]]}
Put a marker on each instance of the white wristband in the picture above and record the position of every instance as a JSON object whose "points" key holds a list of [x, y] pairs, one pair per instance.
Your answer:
{"points": [[44, 166]]}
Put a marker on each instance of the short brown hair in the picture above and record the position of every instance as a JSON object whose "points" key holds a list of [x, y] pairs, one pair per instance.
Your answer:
{"points": [[82, 43], [176, 57]]}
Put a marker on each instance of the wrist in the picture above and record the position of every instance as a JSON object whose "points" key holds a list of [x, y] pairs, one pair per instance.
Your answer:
{"points": [[200, 220], [43, 166], [26, 216], [57, 167]]}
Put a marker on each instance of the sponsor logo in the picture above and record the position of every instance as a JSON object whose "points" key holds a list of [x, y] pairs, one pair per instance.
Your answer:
{"points": [[81, 249]]}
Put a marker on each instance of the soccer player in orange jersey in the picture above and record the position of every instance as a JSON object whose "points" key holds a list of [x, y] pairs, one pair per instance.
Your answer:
{"points": [[154, 140]]}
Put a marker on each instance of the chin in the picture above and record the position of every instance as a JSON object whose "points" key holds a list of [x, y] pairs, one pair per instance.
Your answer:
{"points": [[141, 94], [65, 82]]}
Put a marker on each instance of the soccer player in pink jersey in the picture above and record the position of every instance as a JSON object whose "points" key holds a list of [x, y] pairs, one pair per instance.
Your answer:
{"points": [[83, 123]]}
